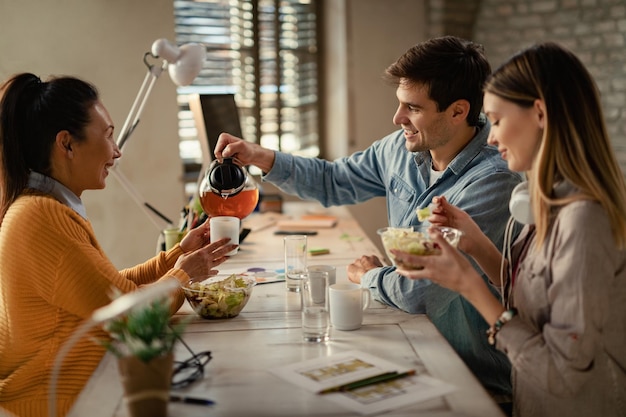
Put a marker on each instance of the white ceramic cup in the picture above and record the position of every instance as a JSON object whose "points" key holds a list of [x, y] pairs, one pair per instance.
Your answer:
{"points": [[225, 226], [347, 303], [329, 269]]}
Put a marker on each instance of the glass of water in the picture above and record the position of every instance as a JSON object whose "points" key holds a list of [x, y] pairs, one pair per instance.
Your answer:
{"points": [[295, 260], [315, 313]]}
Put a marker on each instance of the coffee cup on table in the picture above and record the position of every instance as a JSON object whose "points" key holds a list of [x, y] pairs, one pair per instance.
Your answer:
{"points": [[347, 303]]}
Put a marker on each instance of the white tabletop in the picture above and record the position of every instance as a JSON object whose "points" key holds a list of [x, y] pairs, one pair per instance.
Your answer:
{"points": [[267, 335]]}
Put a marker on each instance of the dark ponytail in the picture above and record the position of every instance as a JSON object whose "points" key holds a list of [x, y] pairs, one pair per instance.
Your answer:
{"points": [[32, 112]]}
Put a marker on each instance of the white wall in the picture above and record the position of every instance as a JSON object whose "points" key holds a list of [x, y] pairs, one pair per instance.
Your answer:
{"points": [[372, 36], [103, 41]]}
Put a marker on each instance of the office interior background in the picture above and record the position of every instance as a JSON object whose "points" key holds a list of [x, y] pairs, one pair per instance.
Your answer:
{"points": [[103, 41]]}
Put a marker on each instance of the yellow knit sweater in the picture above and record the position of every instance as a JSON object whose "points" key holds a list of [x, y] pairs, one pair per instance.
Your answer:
{"points": [[53, 275]]}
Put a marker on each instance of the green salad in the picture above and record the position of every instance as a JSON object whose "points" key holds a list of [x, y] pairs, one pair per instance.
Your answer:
{"points": [[219, 299], [407, 240], [415, 242], [423, 213]]}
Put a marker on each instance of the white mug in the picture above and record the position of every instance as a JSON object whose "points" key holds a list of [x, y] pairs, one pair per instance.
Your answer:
{"points": [[225, 226], [347, 303]]}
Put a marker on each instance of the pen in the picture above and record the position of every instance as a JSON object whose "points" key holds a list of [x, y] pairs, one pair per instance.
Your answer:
{"points": [[376, 379], [190, 400], [296, 232]]}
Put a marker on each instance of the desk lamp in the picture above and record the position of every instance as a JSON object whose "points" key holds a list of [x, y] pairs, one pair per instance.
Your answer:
{"points": [[117, 307], [183, 63]]}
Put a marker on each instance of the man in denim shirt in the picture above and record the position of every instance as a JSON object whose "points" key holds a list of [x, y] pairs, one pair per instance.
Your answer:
{"points": [[440, 150]]}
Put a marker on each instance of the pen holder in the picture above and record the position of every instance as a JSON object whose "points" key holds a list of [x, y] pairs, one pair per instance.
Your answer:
{"points": [[146, 384]]}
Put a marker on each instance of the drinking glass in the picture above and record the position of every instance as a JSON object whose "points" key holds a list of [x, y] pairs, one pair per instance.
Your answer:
{"points": [[332, 271], [315, 314], [295, 260]]}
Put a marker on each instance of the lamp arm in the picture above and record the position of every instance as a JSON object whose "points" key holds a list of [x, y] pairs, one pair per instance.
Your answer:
{"points": [[184, 65], [132, 120], [147, 208]]}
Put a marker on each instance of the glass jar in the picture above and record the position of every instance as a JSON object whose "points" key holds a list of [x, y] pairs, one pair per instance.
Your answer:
{"points": [[228, 190]]}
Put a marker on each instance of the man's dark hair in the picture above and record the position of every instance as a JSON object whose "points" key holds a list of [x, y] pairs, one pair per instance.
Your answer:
{"points": [[451, 68]]}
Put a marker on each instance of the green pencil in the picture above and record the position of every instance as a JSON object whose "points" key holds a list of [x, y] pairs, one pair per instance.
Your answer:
{"points": [[376, 379]]}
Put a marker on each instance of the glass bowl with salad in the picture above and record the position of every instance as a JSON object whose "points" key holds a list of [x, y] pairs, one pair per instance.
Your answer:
{"points": [[219, 297], [415, 240]]}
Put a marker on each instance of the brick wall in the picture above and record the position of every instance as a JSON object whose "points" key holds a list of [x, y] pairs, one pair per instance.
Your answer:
{"points": [[452, 17], [593, 29]]}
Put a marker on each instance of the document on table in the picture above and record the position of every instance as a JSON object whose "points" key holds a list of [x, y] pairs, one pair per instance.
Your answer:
{"points": [[322, 373], [263, 274]]}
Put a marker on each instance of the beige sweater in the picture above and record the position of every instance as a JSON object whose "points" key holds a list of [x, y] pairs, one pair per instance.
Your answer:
{"points": [[568, 343], [54, 275]]}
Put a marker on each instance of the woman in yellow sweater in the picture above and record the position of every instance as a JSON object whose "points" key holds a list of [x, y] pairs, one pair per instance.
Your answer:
{"points": [[56, 139]]}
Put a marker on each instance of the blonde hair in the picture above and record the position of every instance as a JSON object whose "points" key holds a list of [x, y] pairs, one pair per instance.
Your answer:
{"points": [[575, 145]]}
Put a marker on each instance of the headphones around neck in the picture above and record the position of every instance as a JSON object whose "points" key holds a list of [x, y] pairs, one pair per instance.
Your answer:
{"points": [[519, 205]]}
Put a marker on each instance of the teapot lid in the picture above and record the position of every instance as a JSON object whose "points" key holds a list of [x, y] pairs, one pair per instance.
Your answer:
{"points": [[227, 177]]}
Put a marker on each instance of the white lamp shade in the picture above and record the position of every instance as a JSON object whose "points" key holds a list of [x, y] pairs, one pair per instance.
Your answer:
{"points": [[184, 63], [189, 64], [162, 48]]}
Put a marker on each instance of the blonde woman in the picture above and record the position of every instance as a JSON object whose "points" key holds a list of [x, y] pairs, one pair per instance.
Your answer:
{"points": [[563, 322]]}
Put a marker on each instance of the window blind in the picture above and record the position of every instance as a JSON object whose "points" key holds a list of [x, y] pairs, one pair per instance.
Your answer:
{"points": [[266, 53]]}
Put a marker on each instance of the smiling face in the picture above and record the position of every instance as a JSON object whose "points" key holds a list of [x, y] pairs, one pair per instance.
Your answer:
{"points": [[515, 130], [425, 128], [92, 157]]}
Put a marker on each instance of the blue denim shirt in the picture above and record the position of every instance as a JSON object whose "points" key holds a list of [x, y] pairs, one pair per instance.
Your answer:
{"points": [[477, 181]]}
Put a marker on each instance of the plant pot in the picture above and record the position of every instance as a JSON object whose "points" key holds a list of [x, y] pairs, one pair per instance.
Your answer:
{"points": [[146, 384]]}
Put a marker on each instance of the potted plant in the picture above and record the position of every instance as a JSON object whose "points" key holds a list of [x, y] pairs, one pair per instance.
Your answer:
{"points": [[143, 341]]}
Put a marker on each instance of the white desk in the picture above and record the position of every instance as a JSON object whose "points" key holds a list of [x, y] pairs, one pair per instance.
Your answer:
{"points": [[267, 334]]}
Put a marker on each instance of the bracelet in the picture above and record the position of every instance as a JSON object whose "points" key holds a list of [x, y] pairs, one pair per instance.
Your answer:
{"points": [[504, 318]]}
